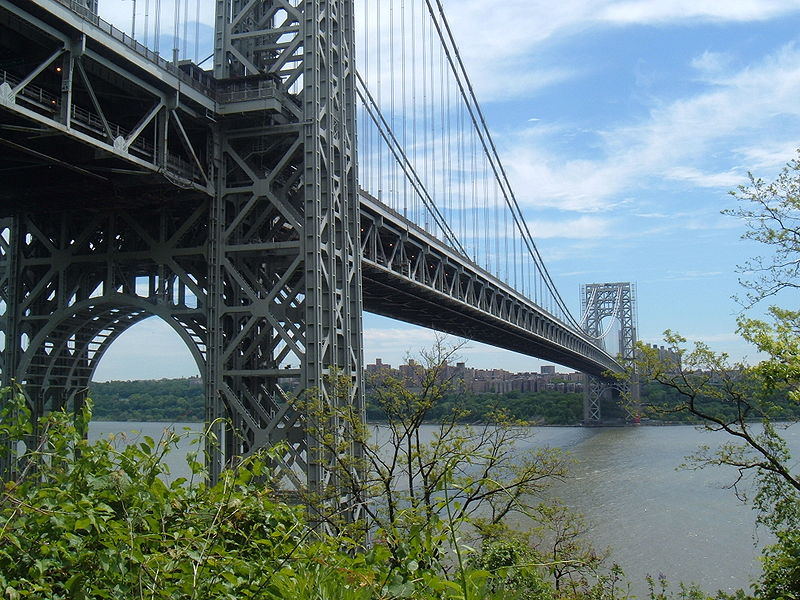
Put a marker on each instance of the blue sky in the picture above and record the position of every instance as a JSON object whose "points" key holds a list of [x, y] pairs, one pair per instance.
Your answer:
{"points": [[622, 125]]}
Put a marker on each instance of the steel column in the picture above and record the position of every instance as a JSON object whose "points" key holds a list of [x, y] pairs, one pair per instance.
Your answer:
{"points": [[285, 232]]}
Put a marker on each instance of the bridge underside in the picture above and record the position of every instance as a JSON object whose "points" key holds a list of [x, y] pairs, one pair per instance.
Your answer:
{"points": [[34, 178], [389, 294], [411, 276]]}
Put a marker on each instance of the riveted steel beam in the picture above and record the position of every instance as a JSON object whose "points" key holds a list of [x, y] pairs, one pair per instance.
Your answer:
{"points": [[285, 260]]}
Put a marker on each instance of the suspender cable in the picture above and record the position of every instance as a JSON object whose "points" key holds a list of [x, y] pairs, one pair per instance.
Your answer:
{"points": [[176, 29], [479, 122], [425, 147], [402, 158], [446, 112], [185, 28], [403, 92], [146, 20], [379, 47], [393, 165], [368, 136], [415, 216], [157, 26], [197, 32]]}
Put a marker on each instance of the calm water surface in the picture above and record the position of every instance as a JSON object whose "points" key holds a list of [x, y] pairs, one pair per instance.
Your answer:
{"points": [[655, 517]]}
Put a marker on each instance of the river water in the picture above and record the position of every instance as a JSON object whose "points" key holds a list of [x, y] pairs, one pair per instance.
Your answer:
{"points": [[654, 516]]}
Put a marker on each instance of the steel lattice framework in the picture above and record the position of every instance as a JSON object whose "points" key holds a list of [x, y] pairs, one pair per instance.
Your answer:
{"points": [[245, 233], [228, 206], [285, 279], [600, 301]]}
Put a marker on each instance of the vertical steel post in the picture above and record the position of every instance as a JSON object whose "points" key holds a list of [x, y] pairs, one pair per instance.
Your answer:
{"points": [[9, 356]]}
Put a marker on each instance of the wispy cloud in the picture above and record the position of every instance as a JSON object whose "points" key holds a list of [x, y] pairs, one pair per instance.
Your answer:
{"points": [[692, 274], [584, 227], [672, 143], [664, 11], [768, 156], [711, 63], [488, 40], [694, 176]]}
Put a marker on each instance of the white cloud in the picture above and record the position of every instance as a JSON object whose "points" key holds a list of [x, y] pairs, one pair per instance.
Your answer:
{"points": [[584, 227], [487, 40], [711, 63], [545, 180], [739, 111], [768, 156], [654, 215], [726, 179], [692, 274], [662, 11]]}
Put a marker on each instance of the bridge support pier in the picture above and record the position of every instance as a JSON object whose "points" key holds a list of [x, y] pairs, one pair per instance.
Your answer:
{"points": [[252, 256], [608, 401]]}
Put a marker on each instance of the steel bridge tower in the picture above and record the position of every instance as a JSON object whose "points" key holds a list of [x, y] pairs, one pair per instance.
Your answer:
{"points": [[601, 301], [257, 268]]}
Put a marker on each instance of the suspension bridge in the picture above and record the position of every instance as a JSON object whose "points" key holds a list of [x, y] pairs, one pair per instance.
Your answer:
{"points": [[259, 205]]}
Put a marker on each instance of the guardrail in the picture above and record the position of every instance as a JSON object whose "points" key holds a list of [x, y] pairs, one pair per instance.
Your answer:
{"points": [[201, 84], [49, 105]]}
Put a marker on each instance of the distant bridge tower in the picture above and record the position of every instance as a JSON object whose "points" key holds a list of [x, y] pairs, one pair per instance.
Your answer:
{"points": [[599, 302]]}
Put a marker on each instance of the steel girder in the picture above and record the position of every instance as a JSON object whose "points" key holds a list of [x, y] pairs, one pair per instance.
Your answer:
{"points": [[66, 86], [600, 301], [410, 275], [72, 282], [285, 262]]}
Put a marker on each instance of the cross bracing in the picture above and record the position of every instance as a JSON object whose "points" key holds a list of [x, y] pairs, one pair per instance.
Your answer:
{"points": [[228, 204]]}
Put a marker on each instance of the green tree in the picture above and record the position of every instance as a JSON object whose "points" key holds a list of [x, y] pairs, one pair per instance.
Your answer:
{"points": [[428, 490], [771, 213], [740, 400]]}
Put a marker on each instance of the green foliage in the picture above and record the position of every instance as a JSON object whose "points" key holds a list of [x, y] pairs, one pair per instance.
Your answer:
{"points": [[660, 589], [781, 578], [514, 571], [83, 520], [90, 520]]}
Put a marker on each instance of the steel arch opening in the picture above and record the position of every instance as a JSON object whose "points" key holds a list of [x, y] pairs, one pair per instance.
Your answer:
{"points": [[59, 361]]}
